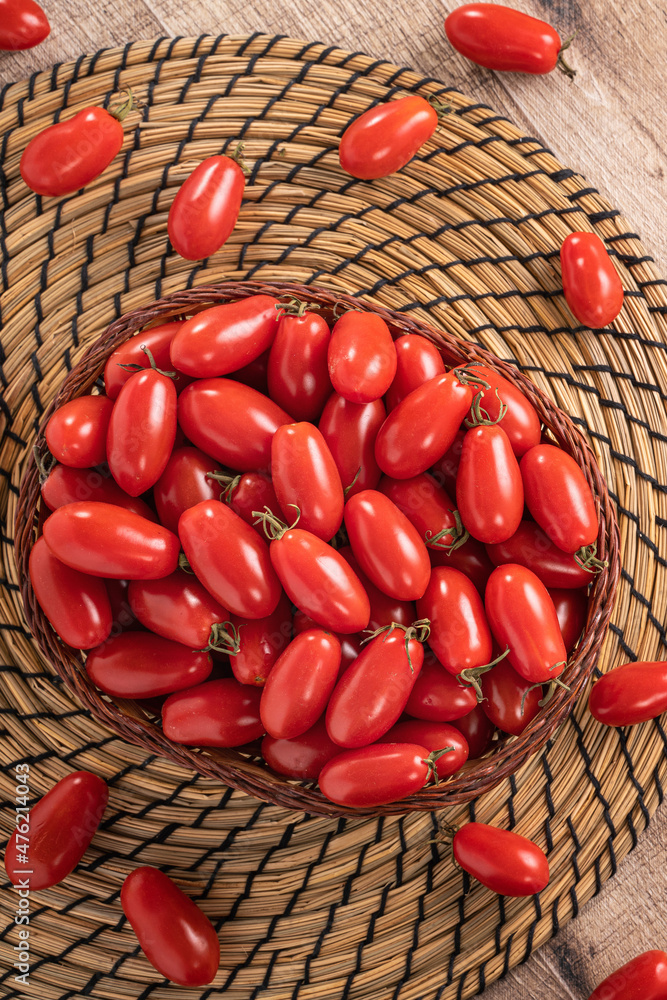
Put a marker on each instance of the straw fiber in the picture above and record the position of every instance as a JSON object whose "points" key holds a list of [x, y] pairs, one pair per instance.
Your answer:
{"points": [[465, 238]]}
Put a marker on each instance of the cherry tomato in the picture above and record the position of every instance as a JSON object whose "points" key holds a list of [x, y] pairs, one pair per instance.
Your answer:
{"points": [[438, 696], [249, 492], [52, 841], [143, 665], [559, 498], [502, 38], [350, 430], [298, 687], [23, 24], [521, 422], [142, 431], [630, 694], [387, 546], [427, 506], [591, 284], [222, 339], [572, 610], [434, 736], [77, 431], [185, 482], [231, 422], [422, 427], [509, 701], [375, 775], [478, 731], [385, 610], [65, 485], [260, 643], [109, 541], [386, 137], [417, 361], [530, 547], [206, 207], [470, 558], [302, 757], [642, 978], [489, 489], [220, 713], [67, 156], [361, 357], [298, 372], [230, 559], [503, 861], [158, 341], [460, 635], [306, 479], [176, 937], [178, 607], [522, 616]]}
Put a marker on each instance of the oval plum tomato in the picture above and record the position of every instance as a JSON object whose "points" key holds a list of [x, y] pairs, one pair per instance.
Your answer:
{"points": [[630, 694], [350, 430], [350, 645], [298, 371], [130, 353], [62, 825], [206, 207], [520, 421], [530, 547], [109, 541], [230, 559], [76, 604], [249, 492], [386, 137], [438, 696], [489, 488], [361, 356], [478, 730], [522, 616], [559, 498], [509, 701], [643, 978], [178, 607], [503, 861], [67, 156], [260, 643], [502, 38], [371, 695], [220, 713], [417, 361], [376, 774], [77, 431], [427, 506], [572, 610], [305, 478], [176, 937], [385, 610], [470, 558], [142, 431], [186, 481], [591, 284], [460, 635], [65, 485], [231, 422], [387, 546], [298, 687], [433, 736], [422, 427], [23, 24], [143, 665], [302, 757], [222, 339]]}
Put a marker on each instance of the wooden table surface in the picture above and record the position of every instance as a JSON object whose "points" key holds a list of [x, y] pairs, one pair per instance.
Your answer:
{"points": [[606, 124]]}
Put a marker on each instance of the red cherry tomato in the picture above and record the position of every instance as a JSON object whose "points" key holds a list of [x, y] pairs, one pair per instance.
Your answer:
{"points": [[502, 38], [220, 713], [143, 665], [427, 506], [206, 207], [350, 430], [438, 696], [231, 422], [298, 687], [375, 775], [434, 736], [361, 357], [470, 558], [489, 489], [222, 339], [509, 701], [630, 694], [417, 361], [559, 498], [142, 431], [522, 616], [77, 431], [67, 156], [302, 757], [176, 937], [109, 541], [460, 635], [305, 478], [503, 861], [591, 284], [64, 485], [530, 547], [230, 559], [185, 482], [261, 641], [643, 978], [179, 608], [386, 137], [521, 422], [478, 731], [422, 427], [23, 24], [298, 372], [158, 341], [50, 841], [385, 610], [572, 610]]}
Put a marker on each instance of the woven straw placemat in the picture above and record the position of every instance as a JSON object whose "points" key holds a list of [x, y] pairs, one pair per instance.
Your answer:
{"points": [[466, 237]]}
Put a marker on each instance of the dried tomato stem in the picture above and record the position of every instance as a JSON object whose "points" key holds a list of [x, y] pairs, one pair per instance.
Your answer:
{"points": [[224, 638], [140, 368], [296, 307], [274, 528], [457, 535], [419, 630], [122, 110], [45, 463], [472, 674], [563, 66], [466, 376], [184, 564], [586, 557], [480, 416], [432, 760]]}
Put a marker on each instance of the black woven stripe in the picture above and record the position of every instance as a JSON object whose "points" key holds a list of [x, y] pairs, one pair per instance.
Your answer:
{"points": [[375, 916], [551, 809]]}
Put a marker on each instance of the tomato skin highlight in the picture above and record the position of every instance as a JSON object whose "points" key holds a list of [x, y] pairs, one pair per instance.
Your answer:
{"points": [[298, 372], [508, 701], [417, 361], [305, 477], [142, 431], [144, 665], [437, 695], [460, 636], [386, 137], [225, 338], [642, 978], [23, 24], [361, 357], [503, 861], [489, 488], [158, 341], [559, 498], [62, 825], [76, 433], [350, 430], [176, 936], [374, 775], [184, 483], [177, 607], [302, 756], [206, 207], [531, 547], [503, 38], [591, 284], [630, 693], [65, 485], [219, 713], [434, 736], [298, 687]]}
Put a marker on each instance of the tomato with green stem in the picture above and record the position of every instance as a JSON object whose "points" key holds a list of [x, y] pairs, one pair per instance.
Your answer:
{"points": [[298, 372], [437, 695], [377, 774], [503, 403], [434, 736], [531, 547], [125, 359], [502, 860], [510, 701], [178, 607], [386, 137], [429, 508]]}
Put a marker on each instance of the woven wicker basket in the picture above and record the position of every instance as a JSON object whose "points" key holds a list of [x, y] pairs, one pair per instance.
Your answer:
{"points": [[244, 770]]}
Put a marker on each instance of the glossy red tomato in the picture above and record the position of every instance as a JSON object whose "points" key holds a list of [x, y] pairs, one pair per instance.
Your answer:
{"points": [[387, 546], [65, 485], [438, 696], [630, 694], [361, 356], [224, 338], [522, 616], [509, 701], [23, 24], [384, 609], [142, 431], [176, 937], [503, 861], [350, 430], [520, 422], [261, 641], [591, 284], [144, 665], [230, 559], [489, 489], [428, 507], [350, 645], [298, 687], [470, 558], [434, 736], [298, 371], [422, 427], [559, 497], [530, 547], [503, 38], [417, 361], [460, 635], [178, 607], [642, 978], [185, 482], [76, 604], [572, 610], [478, 731], [219, 713], [158, 341], [77, 431], [109, 541], [67, 156], [306, 479], [231, 422], [386, 137], [375, 775], [302, 757], [206, 207], [249, 492], [51, 839]]}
